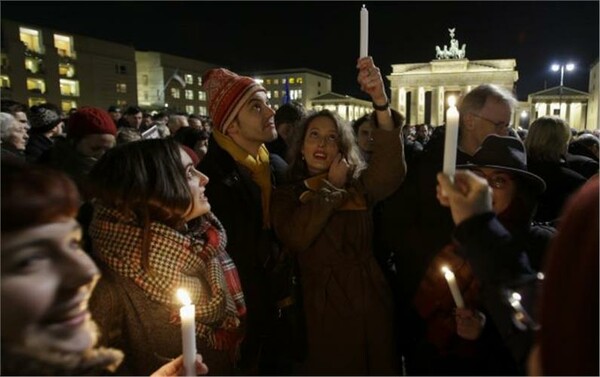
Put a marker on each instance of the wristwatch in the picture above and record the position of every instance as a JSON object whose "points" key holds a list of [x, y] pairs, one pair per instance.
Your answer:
{"points": [[381, 107]]}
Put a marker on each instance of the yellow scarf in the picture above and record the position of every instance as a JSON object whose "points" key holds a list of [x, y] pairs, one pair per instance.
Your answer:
{"points": [[259, 167]]}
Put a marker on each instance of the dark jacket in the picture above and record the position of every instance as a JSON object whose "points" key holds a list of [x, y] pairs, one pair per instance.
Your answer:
{"points": [[583, 165], [561, 183], [36, 146], [236, 200], [503, 264]]}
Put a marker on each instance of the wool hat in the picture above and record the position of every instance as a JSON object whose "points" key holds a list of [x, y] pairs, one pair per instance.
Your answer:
{"points": [[505, 153], [90, 121], [227, 93], [43, 118]]}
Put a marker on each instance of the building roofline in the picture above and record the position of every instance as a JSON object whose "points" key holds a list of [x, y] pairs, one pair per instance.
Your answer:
{"points": [[290, 70]]}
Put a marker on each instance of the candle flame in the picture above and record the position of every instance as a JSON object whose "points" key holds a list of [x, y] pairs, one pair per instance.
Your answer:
{"points": [[447, 272], [183, 296], [451, 101]]}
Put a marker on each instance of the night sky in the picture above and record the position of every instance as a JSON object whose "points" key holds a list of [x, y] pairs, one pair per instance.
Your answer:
{"points": [[251, 36]]}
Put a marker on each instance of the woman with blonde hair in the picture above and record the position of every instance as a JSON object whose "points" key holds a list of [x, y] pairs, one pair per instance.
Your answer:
{"points": [[546, 144]]}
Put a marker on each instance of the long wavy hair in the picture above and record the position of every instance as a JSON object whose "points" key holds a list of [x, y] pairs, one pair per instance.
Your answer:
{"points": [[298, 170]]}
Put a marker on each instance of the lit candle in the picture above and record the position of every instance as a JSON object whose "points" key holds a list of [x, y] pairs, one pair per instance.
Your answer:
{"points": [[451, 139], [188, 332], [449, 275], [364, 32]]}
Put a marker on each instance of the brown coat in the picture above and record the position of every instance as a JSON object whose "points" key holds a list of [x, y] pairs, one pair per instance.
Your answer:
{"points": [[347, 302], [143, 329]]}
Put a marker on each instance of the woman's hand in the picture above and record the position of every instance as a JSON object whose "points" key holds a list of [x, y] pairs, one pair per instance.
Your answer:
{"points": [[338, 171], [175, 368], [370, 80], [470, 195], [469, 323]]}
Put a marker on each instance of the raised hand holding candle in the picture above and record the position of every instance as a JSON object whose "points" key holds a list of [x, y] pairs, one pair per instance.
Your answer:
{"points": [[451, 139], [449, 275], [364, 32], [188, 332]]}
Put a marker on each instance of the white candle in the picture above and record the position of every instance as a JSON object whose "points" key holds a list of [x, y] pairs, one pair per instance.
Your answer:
{"points": [[364, 32], [451, 139], [188, 332], [449, 275]]}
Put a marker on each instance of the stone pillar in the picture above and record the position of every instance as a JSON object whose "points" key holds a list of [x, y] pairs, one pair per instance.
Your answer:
{"points": [[421, 105], [568, 111], [435, 104], [401, 107], [414, 106]]}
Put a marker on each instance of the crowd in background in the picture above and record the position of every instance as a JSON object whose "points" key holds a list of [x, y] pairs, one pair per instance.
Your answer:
{"points": [[309, 245]]}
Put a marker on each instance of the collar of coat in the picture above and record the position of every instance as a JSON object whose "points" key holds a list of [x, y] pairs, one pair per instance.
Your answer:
{"points": [[355, 201]]}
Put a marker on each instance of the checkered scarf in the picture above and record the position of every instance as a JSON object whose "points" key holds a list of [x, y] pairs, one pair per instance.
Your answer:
{"points": [[195, 260]]}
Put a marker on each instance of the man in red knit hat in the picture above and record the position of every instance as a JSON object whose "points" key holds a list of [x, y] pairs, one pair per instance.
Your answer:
{"points": [[241, 173]]}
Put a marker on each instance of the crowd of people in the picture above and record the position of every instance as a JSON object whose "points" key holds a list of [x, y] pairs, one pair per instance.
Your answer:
{"points": [[309, 245]]}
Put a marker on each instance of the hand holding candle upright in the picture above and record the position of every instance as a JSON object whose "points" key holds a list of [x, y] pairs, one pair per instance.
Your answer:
{"points": [[451, 139], [188, 332], [451, 279], [364, 32]]}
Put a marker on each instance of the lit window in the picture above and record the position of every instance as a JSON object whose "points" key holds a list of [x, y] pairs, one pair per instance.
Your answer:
{"points": [[291, 80], [66, 69], [121, 102], [202, 110], [121, 88], [69, 87], [268, 94], [32, 101], [5, 81], [200, 80], [189, 94], [64, 45], [31, 39], [189, 79], [299, 94], [299, 80], [189, 109], [276, 81], [36, 86], [276, 93], [4, 61], [201, 95], [175, 93], [268, 81], [67, 105], [34, 65], [283, 81]]}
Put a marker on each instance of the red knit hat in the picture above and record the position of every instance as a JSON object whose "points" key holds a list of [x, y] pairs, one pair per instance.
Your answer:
{"points": [[90, 121], [227, 93]]}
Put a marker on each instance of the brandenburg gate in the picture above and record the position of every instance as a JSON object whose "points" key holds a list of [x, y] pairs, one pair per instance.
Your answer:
{"points": [[420, 90]]}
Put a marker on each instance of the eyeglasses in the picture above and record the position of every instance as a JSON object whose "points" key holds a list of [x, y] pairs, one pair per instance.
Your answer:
{"points": [[497, 181], [496, 124]]}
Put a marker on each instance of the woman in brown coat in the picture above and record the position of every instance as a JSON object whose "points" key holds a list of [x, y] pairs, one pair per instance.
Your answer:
{"points": [[324, 218]]}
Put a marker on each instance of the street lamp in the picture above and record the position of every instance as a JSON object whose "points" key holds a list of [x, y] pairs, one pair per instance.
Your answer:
{"points": [[562, 67]]}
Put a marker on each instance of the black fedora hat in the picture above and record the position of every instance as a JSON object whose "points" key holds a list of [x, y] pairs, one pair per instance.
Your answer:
{"points": [[505, 153]]}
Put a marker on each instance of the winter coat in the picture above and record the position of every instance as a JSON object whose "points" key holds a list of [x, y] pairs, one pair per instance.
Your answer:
{"points": [[347, 300], [236, 200]]}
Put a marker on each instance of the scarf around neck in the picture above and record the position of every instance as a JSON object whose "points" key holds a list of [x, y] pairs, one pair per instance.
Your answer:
{"points": [[258, 165], [195, 260]]}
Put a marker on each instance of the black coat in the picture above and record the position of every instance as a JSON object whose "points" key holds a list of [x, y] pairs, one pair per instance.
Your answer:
{"points": [[236, 201]]}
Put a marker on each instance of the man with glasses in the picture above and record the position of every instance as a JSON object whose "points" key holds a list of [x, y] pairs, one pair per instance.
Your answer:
{"points": [[411, 224]]}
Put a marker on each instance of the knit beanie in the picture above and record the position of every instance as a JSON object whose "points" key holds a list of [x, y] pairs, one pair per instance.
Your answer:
{"points": [[227, 93], [90, 121], [43, 118]]}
